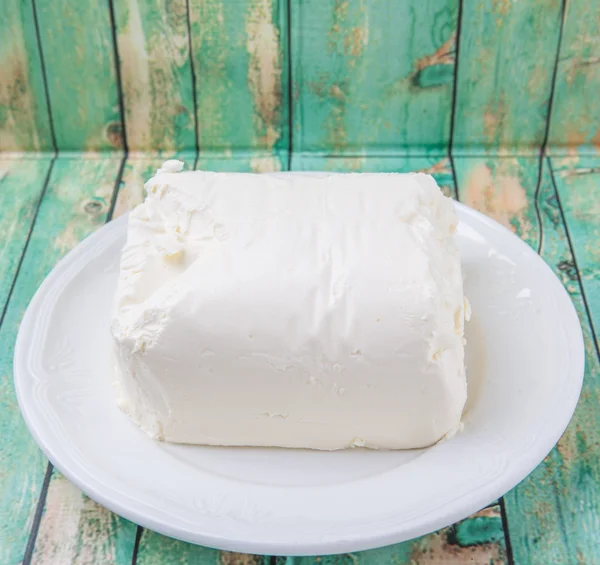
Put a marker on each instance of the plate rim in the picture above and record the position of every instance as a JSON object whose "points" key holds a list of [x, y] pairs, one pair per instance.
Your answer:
{"points": [[460, 510]]}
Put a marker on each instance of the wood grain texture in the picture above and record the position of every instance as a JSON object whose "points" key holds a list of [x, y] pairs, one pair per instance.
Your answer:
{"points": [[372, 76], [158, 89], [74, 529], [156, 549], [75, 203], [553, 515], [21, 184], [438, 166], [24, 119], [239, 51], [578, 184], [478, 540], [575, 111], [506, 59], [78, 52]]}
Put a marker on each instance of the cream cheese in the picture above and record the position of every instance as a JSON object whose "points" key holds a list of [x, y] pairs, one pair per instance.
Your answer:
{"points": [[322, 311]]}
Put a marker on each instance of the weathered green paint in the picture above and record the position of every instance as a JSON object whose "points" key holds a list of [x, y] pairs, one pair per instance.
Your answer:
{"points": [[477, 540], [576, 112], [21, 184], [371, 76], [578, 184], [156, 549], [80, 64], [241, 77], [65, 217], [507, 52], [439, 166], [243, 161], [503, 189], [24, 121], [158, 89], [74, 529], [554, 514]]}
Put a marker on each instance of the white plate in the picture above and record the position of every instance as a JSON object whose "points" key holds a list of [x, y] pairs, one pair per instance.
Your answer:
{"points": [[525, 360]]}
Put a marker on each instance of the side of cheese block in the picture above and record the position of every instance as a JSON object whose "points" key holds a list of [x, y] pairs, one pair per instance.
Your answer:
{"points": [[316, 311]]}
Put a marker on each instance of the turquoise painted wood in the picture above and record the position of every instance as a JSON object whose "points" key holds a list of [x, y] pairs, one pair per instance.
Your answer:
{"points": [[24, 120], [239, 54], [158, 89], [372, 77], [578, 185], [76, 202], [477, 540], [507, 52], [78, 51], [575, 112]]}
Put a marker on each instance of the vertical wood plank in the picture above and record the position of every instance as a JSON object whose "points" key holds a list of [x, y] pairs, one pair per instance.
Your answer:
{"points": [[478, 540], [24, 119], [239, 51], [578, 185], [77, 44], [75, 203], [575, 110], [158, 89], [507, 55], [372, 76]]}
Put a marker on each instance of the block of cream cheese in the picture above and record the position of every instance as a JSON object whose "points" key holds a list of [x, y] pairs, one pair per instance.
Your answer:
{"points": [[321, 311]]}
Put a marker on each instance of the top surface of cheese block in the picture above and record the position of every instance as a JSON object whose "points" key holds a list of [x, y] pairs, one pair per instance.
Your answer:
{"points": [[318, 311]]}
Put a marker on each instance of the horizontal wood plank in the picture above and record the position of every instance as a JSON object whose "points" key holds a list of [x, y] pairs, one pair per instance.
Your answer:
{"points": [[76, 201]]}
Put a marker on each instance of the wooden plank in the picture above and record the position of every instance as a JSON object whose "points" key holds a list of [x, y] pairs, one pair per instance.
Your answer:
{"points": [[553, 513], [82, 79], [507, 53], [239, 51], [438, 166], [575, 110], [24, 120], [503, 189], [75, 203], [158, 89], [578, 184], [478, 540], [74, 529], [372, 76], [156, 549], [21, 184]]}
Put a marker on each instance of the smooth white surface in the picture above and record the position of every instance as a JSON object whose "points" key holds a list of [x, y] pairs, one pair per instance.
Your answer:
{"points": [[525, 362], [319, 311]]}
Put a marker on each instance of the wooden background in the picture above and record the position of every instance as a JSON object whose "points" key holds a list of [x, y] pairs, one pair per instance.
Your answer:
{"points": [[498, 99]]}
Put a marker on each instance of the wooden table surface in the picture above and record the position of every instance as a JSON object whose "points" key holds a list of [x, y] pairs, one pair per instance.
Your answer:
{"points": [[498, 99], [48, 204]]}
